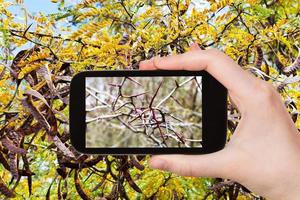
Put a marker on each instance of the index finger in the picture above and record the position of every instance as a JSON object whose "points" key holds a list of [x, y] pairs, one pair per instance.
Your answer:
{"points": [[223, 68]]}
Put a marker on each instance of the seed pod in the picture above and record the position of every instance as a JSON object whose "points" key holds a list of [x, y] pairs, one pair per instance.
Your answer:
{"points": [[293, 67], [288, 80], [59, 197], [49, 190], [136, 163], [131, 182], [3, 161], [151, 53], [135, 64], [78, 187], [278, 64], [13, 165], [124, 39], [62, 171], [240, 60], [27, 169], [175, 195], [14, 67], [289, 103], [28, 104], [113, 193], [140, 157], [8, 144], [267, 71], [65, 190], [5, 190], [259, 57], [231, 126]]}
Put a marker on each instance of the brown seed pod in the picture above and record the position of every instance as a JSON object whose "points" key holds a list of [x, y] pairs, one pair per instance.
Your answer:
{"points": [[4, 161], [278, 64], [75, 165], [124, 39], [65, 190], [113, 193], [9, 145], [259, 57], [62, 171], [78, 187], [13, 165], [5, 190], [140, 157], [293, 110], [28, 104], [267, 71], [49, 189], [240, 61], [288, 80], [280, 87], [175, 195], [59, 197], [136, 163], [131, 182], [294, 66], [27, 169]]}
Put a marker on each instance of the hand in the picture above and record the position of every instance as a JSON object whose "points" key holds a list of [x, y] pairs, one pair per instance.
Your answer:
{"points": [[263, 153]]}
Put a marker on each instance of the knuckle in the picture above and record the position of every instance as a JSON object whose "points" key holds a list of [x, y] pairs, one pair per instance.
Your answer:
{"points": [[214, 51], [215, 55], [266, 92], [212, 54], [156, 61]]}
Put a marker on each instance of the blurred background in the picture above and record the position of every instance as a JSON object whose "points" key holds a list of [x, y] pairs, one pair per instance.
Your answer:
{"points": [[143, 112]]}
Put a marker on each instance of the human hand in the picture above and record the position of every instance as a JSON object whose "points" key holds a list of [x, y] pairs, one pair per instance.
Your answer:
{"points": [[263, 153]]}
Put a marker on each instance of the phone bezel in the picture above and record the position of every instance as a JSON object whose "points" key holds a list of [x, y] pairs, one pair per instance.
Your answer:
{"points": [[214, 111]]}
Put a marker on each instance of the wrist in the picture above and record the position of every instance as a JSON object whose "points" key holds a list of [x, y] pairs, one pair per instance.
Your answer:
{"points": [[288, 182], [286, 190]]}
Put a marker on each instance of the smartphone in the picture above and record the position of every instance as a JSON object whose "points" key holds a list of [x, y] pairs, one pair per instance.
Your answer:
{"points": [[147, 112]]}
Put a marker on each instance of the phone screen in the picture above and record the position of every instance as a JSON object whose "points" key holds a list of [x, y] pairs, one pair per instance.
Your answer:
{"points": [[137, 112]]}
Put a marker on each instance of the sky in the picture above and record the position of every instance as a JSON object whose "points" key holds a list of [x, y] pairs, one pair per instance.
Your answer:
{"points": [[33, 7], [45, 6]]}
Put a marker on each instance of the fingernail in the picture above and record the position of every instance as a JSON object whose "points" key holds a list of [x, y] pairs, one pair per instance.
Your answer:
{"points": [[155, 60], [156, 163]]}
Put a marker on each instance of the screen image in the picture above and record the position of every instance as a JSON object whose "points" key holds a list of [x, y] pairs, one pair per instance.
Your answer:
{"points": [[138, 112]]}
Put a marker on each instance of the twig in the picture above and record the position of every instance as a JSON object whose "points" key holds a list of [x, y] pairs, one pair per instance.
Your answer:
{"points": [[172, 92]]}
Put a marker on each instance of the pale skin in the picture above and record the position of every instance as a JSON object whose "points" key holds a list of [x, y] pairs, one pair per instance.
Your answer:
{"points": [[263, 153]]}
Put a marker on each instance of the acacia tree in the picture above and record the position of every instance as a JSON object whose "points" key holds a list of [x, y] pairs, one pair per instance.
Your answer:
{"points": [[40, 54]]}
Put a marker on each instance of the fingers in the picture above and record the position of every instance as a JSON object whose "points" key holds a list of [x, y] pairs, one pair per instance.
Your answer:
{"points": [[148, 64], [208, 165], [219, 65]]}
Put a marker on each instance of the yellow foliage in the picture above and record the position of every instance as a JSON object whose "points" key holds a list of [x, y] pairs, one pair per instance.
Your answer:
{"points": [[220, 4], [29, 68], [97, 34]]}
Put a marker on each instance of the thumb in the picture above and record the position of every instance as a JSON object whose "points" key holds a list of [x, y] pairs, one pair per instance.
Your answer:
{"points": [[207, 165], [194, 46]]}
